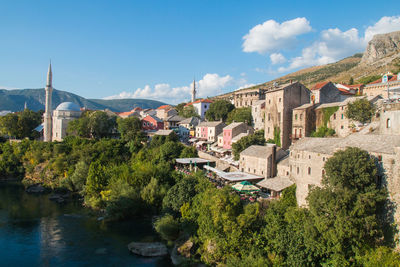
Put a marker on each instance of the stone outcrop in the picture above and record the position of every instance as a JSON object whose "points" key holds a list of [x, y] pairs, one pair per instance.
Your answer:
{"points": [[382, 46], [36, 189], [148, 249]]}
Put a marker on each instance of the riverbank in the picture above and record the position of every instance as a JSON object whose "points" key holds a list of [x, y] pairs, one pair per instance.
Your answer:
{"points": [[35, 231]]}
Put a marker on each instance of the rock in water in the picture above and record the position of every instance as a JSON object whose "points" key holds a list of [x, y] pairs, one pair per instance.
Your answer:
{"points": [[36, 189], [155, 249]]}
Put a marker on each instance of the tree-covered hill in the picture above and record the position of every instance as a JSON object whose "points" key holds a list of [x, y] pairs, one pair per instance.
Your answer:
{"points": [[14, 100]]}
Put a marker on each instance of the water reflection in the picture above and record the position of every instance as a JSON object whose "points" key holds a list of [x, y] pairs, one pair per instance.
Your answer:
{"points": [[37, 232]]}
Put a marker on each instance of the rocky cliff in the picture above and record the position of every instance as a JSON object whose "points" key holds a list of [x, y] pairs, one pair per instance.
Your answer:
{"points": [[382, 46]]}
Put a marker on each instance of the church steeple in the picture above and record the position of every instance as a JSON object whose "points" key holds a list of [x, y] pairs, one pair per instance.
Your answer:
{"points": [[194, 90]]}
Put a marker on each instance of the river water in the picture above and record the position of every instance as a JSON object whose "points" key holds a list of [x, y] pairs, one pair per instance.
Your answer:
{"points": [[35, 231]]}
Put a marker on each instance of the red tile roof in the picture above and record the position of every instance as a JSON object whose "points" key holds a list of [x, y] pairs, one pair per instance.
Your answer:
{"points": [[164, 107], [199, 101], [392, 78], [319, 85], [345, 92]]}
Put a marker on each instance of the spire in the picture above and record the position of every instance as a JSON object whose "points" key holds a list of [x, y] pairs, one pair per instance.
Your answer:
{"points": [[49, 76], [25, 106], [194, 90]]}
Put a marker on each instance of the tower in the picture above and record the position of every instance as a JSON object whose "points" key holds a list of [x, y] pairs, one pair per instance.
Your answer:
{"points": [[194, 90], [47, 116]]}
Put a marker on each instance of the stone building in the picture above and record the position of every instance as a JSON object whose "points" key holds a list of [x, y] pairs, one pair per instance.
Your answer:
{"points": [[327, 92], [258, 114], [259, 160], [337, 120], [172, 122], [209, 130], [388, 84], [308, 156], [62, 115], [389, 118], [279, 104], [303, 121], [246, 97], [165, 111]]}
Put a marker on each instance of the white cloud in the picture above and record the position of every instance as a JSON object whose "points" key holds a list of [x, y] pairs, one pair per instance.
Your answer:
{"points": [[211, 84], [277, 58], [272, 36], [384, 25], [335, 44]]}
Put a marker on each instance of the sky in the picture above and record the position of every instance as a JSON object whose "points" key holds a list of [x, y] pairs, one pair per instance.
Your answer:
{"points": [[154, 49]]}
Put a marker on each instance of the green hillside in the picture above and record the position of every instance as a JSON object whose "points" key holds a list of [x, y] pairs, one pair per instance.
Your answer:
{"points": [[14, 100]]}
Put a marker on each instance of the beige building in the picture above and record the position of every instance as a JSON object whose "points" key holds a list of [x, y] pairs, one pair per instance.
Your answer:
{"points": [[258, 114], [308, 156], [390, 119], [279, 104], [303, 121], [338, 121], [165, 111], [259, 160], [62, 115], [246, 97], [389, 83]]}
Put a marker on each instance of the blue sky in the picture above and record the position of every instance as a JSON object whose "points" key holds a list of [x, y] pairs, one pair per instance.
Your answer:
{"points": [[153, 49]]}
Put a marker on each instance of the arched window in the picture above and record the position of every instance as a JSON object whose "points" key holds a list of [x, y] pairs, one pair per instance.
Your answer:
{"points": [[388, 123]]}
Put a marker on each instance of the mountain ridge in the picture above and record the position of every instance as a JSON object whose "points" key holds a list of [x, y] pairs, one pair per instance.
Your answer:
{"points": [[14, 100]]}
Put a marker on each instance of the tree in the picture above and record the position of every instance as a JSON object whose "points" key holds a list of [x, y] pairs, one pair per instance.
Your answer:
{"points": [[188, 112], [240, 115], [167, 227], [102, 125], [180, 193], [80, 127], [253, 139], [21, 124], [129, 128], [219, 110], [351, 81], [360, 110], [347, 210]]}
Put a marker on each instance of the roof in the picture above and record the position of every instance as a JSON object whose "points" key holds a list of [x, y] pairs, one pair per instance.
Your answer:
{"points": [[257, 151], [233, 125], [234, 176], [192, 120], [239, 136], [276, 184], [304, 106], [210, 123], [344, 91], [163, 132], [164, 107], [199, 101], [154, 118], [392, 78], [192, 160], [258, 102], [369, 142], [318, 86], [175, 118], [68, 106]]}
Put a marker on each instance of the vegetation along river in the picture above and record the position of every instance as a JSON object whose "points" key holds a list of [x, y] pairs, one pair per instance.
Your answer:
{"points": [[35, 231]]}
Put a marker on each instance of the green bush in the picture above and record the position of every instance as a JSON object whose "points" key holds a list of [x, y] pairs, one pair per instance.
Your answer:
{"points": [[167, 227]]}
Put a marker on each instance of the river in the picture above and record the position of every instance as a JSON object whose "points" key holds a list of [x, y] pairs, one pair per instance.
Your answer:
{"points": [[35, 231]]}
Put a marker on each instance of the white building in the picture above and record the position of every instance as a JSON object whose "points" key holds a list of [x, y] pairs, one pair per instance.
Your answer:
{"points": [[62, 115]]}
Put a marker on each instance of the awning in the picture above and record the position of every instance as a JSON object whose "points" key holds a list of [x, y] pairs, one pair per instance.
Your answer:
{"points": [[276, 184], [234, 176], [39, 128], [193, 139]]}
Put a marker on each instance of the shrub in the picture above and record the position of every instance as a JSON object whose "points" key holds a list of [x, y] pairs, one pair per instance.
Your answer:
{"points": [[167, 227]]}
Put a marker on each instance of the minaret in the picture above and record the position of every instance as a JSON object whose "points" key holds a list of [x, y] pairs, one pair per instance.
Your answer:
{"points": [[47, 116], [25, 106], [194, 90]]}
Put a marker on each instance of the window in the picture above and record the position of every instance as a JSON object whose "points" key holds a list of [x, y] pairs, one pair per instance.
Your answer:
{"points": [[269, 116], [269, 101], [301, 116], [280, 100], [298, 170], [342, 127], [279, 116], [334, 116], [254, 170], [323, 172], [323, 159], [295, 117], [249, 169], [388, 123], [309, 156], [268, 129], [309, 170], [342, 116]]}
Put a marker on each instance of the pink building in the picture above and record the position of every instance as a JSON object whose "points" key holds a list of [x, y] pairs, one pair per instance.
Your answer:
{"points": [[232, 130], [209, 130]]}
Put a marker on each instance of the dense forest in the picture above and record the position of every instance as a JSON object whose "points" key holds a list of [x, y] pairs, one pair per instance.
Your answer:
{"points": [[345, 224]]}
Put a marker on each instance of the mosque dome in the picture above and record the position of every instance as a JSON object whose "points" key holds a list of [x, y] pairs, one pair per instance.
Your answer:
{"points": [[68, 106]]}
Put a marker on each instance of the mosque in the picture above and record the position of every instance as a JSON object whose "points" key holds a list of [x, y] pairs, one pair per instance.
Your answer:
{"points": [[55, 122]]}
